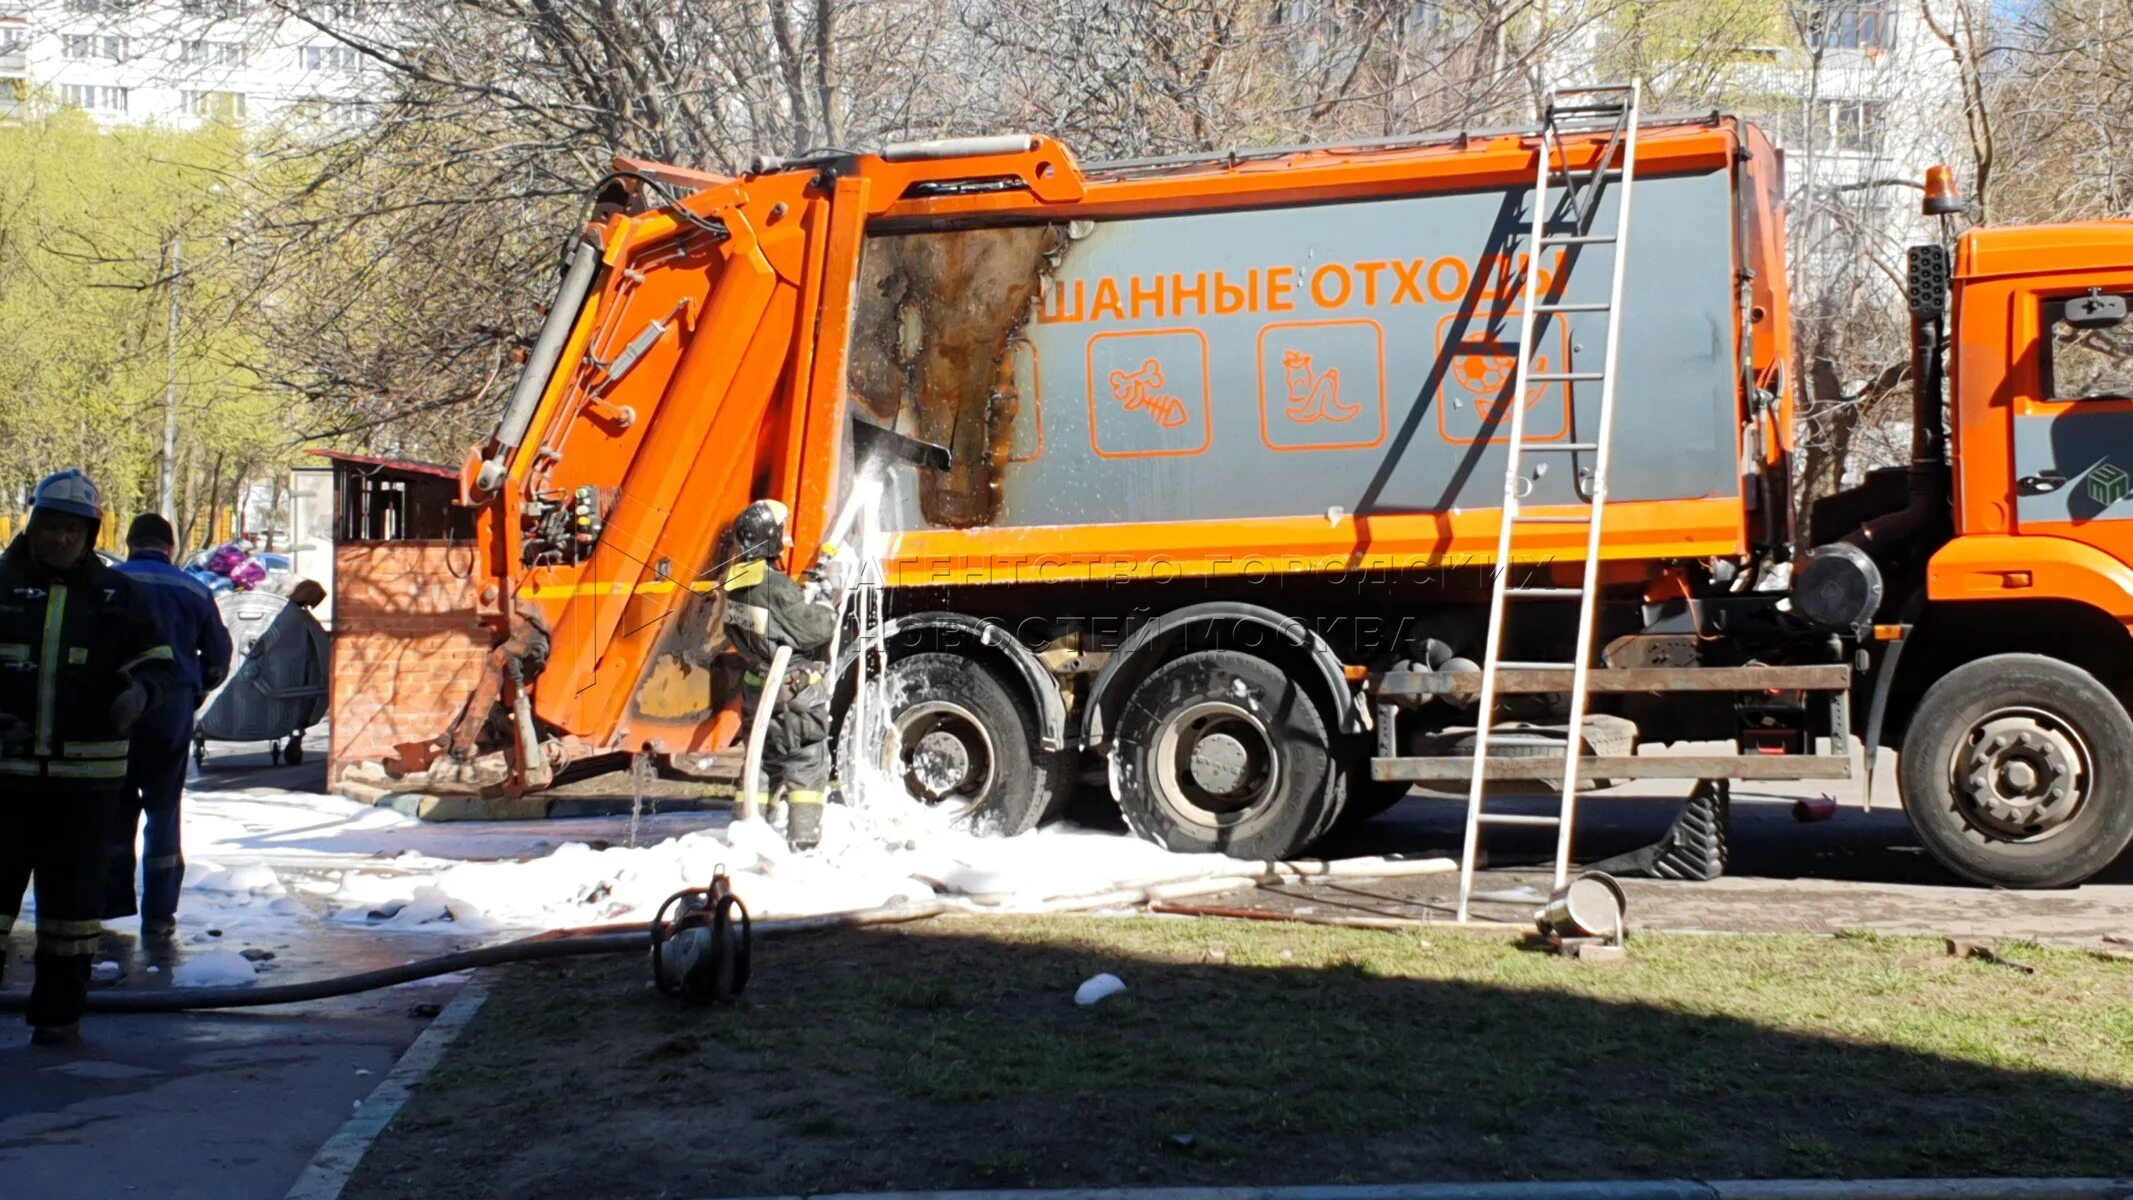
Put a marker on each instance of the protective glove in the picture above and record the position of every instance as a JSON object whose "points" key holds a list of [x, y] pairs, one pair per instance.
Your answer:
{"points": [[839, 567], [128, 707]]}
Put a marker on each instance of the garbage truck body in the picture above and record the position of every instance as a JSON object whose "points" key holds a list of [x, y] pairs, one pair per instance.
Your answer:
{"points": [[1187, 475]]}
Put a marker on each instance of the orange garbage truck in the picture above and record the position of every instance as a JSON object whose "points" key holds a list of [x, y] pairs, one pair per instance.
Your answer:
{"points": [[1152, 437]]}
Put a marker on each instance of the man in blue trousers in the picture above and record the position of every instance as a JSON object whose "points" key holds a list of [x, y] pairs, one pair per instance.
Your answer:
{"points": [[163, 740]]}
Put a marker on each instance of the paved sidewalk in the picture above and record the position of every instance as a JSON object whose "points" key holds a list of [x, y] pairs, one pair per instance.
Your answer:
{"points": [[194, 1105]]}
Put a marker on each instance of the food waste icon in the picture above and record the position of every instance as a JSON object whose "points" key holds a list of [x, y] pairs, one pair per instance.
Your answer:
{"points": [[1314, 396], [1142, 390]]}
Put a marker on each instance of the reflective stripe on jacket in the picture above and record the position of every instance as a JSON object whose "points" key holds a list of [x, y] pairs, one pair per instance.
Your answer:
{"points": [[70, 643]]}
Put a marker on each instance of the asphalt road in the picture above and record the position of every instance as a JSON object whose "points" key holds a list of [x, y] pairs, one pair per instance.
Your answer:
{"points": [[203, 1105], [1858, 869]]}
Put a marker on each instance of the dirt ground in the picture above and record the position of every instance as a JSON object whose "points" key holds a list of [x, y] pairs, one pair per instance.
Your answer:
{"points": [[950, 1055]]}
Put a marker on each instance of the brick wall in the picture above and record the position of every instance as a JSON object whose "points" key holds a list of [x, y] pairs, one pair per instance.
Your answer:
{"points": [[406, 648]]}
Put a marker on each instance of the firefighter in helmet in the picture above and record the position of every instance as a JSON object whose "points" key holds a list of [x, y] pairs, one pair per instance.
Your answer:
{"points": [[765, 609], [81, 659]]}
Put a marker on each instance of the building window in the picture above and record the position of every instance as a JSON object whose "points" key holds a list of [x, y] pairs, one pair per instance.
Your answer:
{"points": [[216, 106], [214, 54], [1846, 27], [1854, 124], [217, 8], [1857, 126], [84, 45], [349, 11], [330, 58], [93, 98]]}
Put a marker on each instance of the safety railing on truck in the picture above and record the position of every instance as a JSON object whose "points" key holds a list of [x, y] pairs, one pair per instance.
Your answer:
{"points": [[1124, 168]]}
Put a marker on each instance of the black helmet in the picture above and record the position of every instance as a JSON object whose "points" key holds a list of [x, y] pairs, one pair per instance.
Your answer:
{"points": [[759, 532]]}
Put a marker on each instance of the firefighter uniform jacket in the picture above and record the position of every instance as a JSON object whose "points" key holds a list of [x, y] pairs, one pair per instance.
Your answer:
{"points": [[765, 609], [69, 641]]}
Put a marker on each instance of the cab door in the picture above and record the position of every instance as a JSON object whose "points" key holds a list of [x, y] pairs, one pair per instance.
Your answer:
{"points": [[2073, 426]]}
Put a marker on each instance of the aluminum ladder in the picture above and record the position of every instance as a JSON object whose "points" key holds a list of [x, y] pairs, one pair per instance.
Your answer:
{"points": [[1563, 218]]}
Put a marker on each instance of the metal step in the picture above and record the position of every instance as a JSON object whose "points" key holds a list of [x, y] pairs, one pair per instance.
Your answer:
{"points": [[1636, 766], [1577, 239], [1594, 307], [1545, 593], [1819, 678], [1489, 818], [1560, 447], [1564, 377], [1552, 519]]}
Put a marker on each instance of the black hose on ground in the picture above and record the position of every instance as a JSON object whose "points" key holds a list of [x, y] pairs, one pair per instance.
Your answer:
{"points": [[562, 943]]}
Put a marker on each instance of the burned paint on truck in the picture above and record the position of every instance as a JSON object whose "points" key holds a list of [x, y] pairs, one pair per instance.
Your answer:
{"points": [[1346, 359]]}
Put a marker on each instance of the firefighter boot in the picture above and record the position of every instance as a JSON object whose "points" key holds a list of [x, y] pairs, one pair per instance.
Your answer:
{"points": [[803, 819]]}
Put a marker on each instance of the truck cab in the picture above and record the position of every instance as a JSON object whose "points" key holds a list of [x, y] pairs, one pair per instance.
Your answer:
{"points": [[2003, 656]]}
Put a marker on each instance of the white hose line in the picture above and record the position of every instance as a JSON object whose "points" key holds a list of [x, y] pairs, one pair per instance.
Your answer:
{"points": [[752, 765], [1297, 871], [1374, 867]]}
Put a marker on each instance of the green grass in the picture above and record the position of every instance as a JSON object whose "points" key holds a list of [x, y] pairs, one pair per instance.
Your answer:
{"points": [[951, 1055]]}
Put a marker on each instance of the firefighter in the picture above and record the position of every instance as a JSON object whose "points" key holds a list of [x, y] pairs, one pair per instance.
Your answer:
{"points": [[80, 661], [155, 777], [765, 609]]}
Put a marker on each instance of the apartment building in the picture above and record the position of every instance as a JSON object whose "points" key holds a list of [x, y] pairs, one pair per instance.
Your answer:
{"points": [[1862, 97], [175, 62]]}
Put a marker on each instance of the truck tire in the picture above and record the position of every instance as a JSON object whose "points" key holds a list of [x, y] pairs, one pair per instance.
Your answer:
{"points": [[1367, 798], [2017, 771], [965, 738], [1221, 752]]}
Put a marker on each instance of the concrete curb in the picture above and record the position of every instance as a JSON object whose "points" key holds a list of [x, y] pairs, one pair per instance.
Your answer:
{"points": [[331, 1166], [1599, 1189]]}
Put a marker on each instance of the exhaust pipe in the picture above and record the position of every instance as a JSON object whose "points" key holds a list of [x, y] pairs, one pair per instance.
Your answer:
{"points": [[1928, 285]]}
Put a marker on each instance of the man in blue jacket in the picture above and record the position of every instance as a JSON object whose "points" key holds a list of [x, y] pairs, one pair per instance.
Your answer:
{"points": [[163, 741]]}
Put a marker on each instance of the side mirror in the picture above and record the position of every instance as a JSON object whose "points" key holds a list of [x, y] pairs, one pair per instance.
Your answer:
{"points": [[2096, 311]]}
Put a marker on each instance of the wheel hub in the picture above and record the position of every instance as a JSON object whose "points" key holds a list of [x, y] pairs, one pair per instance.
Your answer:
{"points": [[946, 752], [2021, 774], [939, 763], [1214, 763], [1219, 763]]}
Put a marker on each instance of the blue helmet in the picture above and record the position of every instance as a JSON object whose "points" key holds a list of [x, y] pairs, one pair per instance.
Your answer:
{"points": [[68, 492]]}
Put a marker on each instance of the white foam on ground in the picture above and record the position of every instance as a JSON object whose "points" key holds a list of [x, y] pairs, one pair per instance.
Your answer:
{"points": [[882, 854], [261, 861], [218, 968]]}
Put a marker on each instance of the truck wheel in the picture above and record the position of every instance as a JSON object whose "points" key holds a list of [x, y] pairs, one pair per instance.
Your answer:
{"points": [[964, 739], [2017, 771], [1220, 752], [1368, 799]]}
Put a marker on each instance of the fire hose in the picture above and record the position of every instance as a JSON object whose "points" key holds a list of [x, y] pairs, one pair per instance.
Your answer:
{"points": [[694, 965]]}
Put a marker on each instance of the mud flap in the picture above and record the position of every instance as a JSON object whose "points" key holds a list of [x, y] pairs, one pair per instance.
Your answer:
{"points": [[1694, 847]]}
